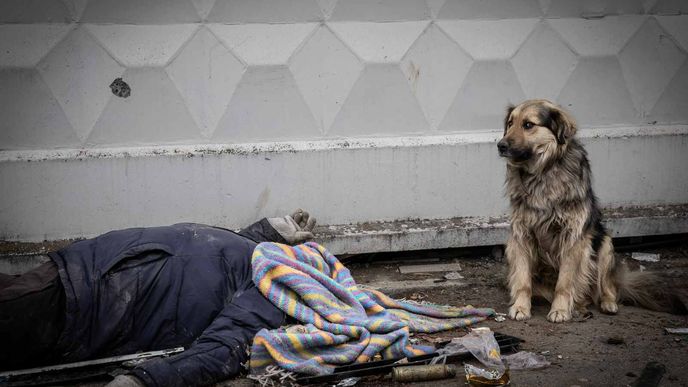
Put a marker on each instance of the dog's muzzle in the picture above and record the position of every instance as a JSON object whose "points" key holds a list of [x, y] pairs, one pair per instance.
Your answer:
{"points": [[515, 154]]}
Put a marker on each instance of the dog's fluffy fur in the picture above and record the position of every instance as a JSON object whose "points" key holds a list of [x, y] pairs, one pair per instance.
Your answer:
{"points": [[558, 248]]}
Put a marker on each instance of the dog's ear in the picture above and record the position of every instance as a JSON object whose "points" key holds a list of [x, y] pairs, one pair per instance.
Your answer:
{"points": [[562, 125], [509, 109]]}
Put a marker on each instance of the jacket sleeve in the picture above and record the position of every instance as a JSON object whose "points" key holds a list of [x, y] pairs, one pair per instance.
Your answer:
{"points": [[262, 231], [222, 348]]}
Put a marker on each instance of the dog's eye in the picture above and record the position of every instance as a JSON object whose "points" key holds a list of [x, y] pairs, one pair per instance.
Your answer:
{"points": [[528, 125], [508, 124]]}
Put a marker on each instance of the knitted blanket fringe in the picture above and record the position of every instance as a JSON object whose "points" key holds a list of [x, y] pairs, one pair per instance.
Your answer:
{"points": [[343, 323]]}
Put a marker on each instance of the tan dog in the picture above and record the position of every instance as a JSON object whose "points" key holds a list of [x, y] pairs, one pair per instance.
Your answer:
{"points": [[558, 248]]}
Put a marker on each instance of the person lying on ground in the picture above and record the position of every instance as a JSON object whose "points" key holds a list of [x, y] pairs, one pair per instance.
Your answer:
{"points": [[144, 289]]}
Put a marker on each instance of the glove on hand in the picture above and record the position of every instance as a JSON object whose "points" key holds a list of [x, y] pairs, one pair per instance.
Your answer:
{"points": [[125, 381], [294, 228]]}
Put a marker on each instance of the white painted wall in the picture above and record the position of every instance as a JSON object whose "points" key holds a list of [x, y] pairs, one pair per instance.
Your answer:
{"points": [[362, 110]]}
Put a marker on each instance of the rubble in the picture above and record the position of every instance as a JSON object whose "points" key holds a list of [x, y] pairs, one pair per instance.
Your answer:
{"points": [[645, 257], [677, 331], [434, 268]]}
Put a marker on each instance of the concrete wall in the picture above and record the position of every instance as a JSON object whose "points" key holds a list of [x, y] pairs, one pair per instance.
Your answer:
{"points": [[358, 110]]}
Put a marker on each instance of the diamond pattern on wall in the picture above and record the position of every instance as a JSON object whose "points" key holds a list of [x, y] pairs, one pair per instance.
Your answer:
{"points": [[499, 38], [203, 7], [677, 26], [435, 6], [267, 104], [79, 70], [597, 37], [672, 106], [469, 111], [325, 70], [140, 12], [327, 6], [139, 46], [544, 5], [206, 73], [32, 117], [154, 110], [648, 4], [495, 9], [380, 103], [596, 93], [265, 11], [435, 66], [24, 45], [380, 10], [76, 8], [544, 63], [379, 42], [263, 44], [648, 62], [270, 70]]}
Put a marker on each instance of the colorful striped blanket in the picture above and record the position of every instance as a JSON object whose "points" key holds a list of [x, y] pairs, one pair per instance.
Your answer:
{"points": [[343, 322]]}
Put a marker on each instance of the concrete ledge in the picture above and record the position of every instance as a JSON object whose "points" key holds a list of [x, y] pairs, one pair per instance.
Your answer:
{"points": [[464, 232], [413, 235], [410, 235]]}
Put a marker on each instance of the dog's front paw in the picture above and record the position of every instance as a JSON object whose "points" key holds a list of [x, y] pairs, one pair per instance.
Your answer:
{"points": [[519, 313], [558, 315], [609, 307]]}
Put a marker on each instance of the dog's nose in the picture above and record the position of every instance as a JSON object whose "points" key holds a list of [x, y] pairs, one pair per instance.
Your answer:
{"points": [[502, 146]]}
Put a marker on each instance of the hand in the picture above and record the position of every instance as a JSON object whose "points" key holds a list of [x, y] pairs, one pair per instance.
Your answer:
{"points": [[304, 220], [125, 381], [294, 228]]}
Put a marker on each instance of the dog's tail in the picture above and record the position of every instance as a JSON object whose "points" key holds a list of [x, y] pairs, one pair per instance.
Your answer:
{"points": [[646, 289]]}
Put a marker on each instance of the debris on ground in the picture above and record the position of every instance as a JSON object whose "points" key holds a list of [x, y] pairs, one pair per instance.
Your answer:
{"points": [[453, 275], [645, 257], [677, 331], [483, 345], [434, 268], [385, 367], [418, 296], [274, 376], [651, 376], [433, 338], [476, 376], [422, 373], [396, 287], [616, 340], [348, 382], [70, 373], [500, 317], [524, 360], [585, 317]]}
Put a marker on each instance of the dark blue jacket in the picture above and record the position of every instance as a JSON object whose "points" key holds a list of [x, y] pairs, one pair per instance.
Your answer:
{"points": [[155, 288]]}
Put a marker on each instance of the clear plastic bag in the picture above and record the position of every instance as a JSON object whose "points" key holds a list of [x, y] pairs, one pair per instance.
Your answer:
{"points": [[525, 361], [481, 344]]}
